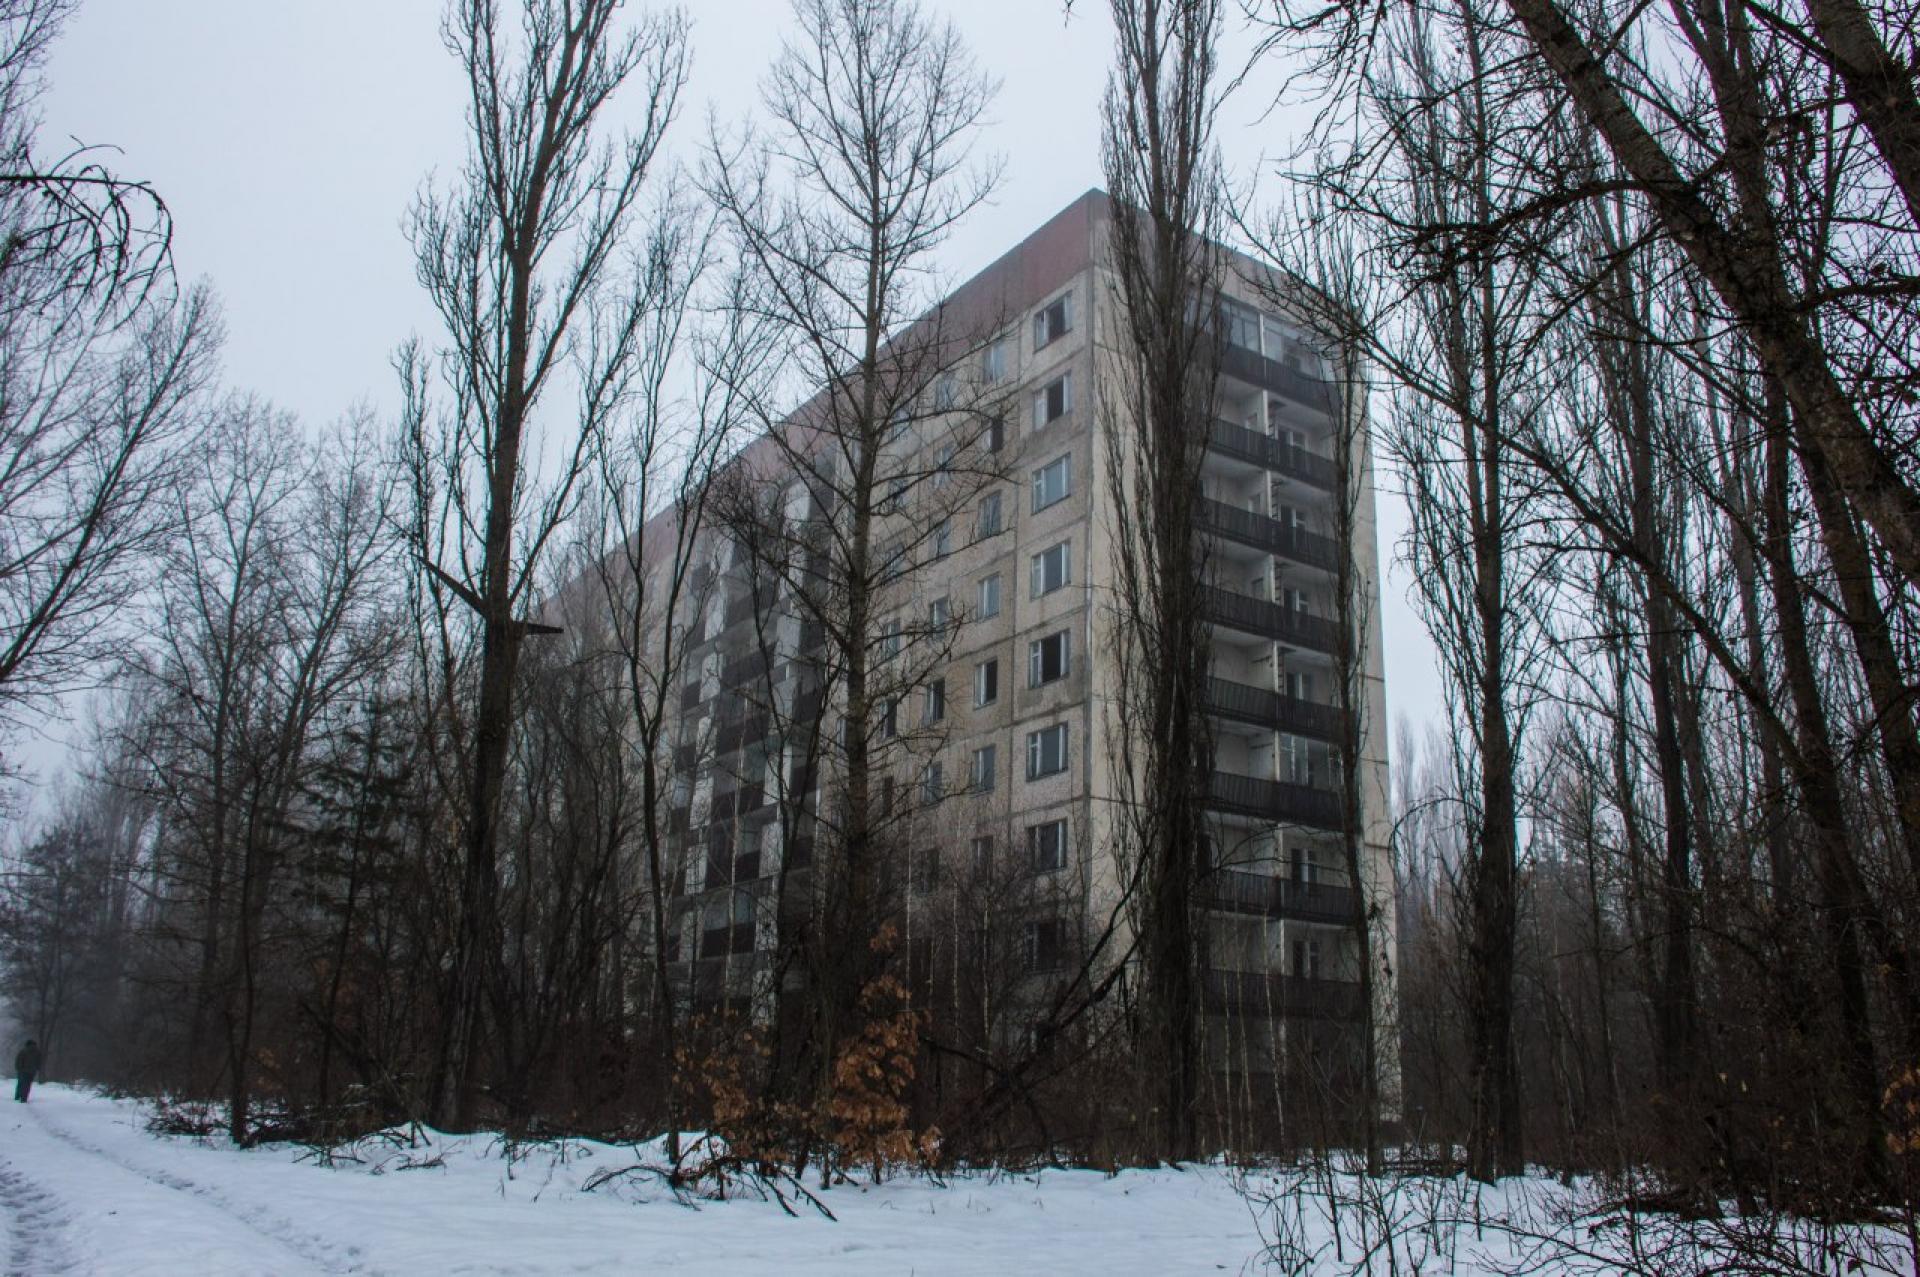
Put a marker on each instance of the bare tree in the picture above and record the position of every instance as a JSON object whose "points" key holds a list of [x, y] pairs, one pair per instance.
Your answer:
{"points": [[265, 612], [655, 484], [865, 170], [1738, 238], [521, 260], [1460, 339], [100, 375], [1320, 264], [96, 425], [73, 233], [1163, 174]]}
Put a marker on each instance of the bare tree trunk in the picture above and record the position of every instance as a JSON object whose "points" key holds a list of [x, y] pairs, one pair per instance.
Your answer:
{"points": [[535, 189], [1842, 906], [1162, 174]]}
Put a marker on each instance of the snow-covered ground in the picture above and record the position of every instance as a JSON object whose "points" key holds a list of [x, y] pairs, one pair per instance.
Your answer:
{"points": [[84, 1188]]}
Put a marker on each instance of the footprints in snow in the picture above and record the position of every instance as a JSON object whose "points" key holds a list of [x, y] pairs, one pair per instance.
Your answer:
{"points": [[35, 1227]]}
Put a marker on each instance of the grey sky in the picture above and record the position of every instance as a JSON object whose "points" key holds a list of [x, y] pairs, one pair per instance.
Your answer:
{"points": [[288, 137]]}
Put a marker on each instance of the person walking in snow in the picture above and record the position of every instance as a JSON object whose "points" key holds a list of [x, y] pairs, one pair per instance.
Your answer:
{"points": [[25, 1065]]}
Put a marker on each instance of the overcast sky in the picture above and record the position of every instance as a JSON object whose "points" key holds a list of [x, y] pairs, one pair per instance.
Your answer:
{"points": [[288, 137]]}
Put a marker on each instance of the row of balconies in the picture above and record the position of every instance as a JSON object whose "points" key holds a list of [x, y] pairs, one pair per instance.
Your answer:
{"points": [[1265, 995], [1261, 707], [1270, 453], [1268, 620], [1268, 535], [1263, 895], [1277, 800], [1293, 384]]}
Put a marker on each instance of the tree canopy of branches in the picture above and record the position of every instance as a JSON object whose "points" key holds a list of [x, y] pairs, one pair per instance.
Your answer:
{"points": [[521, 260]]}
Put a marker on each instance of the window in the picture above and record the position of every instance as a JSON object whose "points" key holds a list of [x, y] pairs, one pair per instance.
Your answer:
{"points": [[1242, 324], [1274, 340], [996, 434], [923, 872], [1053, 401], [989, 597], [986, 683], [890, 720], [937, 613], [1052, 568], [984, 768], [1305, 762], [943, 465], [1047, 846], [983, 854], [1047, 751], [1053, 321], [943, 539], [1306, 959], [896, 496], [930, 784], [890, 638], [943, 392], [1301, 867], [896, 425], [1049, 658], [993, 362], [1299, 685], [1052, 482], [1044, 944], [988, 524], [936, 708], [893, 561]]}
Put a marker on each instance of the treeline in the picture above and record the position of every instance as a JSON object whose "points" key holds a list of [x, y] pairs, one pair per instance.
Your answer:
{"points": [[1639, 284], [378, 820]]}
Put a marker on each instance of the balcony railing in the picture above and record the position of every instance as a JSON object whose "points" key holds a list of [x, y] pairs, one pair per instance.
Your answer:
{"points": [[1267, 534], [1237, 891], [1274, 800], [1269, 620], [1270, 374], [719, 981], [1274, 454], [1265, 708], [1263, 995], [747, 672], [720, 942]]}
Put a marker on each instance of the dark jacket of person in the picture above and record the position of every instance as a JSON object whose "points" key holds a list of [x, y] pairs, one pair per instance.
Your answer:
{"points": [[28, 1061]]}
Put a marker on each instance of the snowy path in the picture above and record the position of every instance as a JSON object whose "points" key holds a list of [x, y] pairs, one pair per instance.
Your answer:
{"points": [[75, 1207], [85, 1189]]}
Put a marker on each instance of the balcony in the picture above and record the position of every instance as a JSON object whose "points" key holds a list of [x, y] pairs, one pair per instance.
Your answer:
{"points": [[1274, 800], [1264, 708], [1273, 454], [1261, 995], [1255, 369], [721, 982], [1270, 535], [1268, 620], [745, 673], [721, 942], [1265, 896]]}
